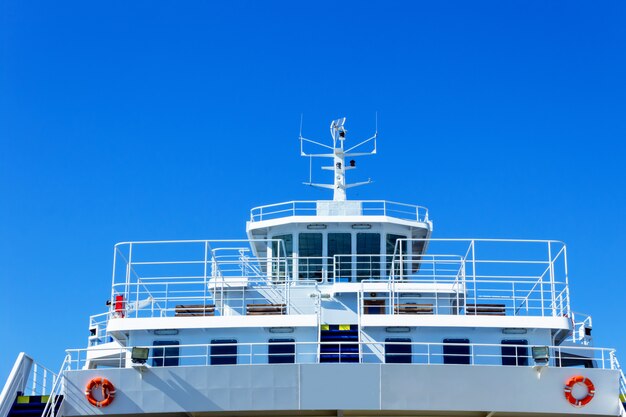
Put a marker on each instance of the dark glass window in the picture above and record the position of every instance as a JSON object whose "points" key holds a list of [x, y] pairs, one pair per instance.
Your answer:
{"points": [[165, 356], [281, 351], [515, 355], [282, 251], [390, 246], [397, 350], [340, 244], [224, 355], [288, 245], [457, 353], [310, 256], [367, 267]]}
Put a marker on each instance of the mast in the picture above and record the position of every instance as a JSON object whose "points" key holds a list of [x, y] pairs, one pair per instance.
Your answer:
{"points": [[339, 154]]}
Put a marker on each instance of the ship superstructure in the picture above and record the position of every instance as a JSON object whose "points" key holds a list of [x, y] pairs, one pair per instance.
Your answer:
{"points": [[334, 307]]}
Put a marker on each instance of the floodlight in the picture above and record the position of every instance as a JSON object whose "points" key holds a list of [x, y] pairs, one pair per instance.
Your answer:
{"points": [[139, 354], [541, 354]]}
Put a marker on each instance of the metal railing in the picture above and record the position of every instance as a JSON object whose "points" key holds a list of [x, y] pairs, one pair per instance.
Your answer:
{"points": [[55, 398], [622, 381], [512, 277], [342, 208], [27, 377], [412, 353]]}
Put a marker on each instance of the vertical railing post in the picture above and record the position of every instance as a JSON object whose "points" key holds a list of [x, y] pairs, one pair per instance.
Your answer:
{"points": [[35, 372], [205, 270], [552, 284]]}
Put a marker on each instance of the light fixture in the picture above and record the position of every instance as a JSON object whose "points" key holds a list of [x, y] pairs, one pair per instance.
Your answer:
{"points": [[166, 332], [541, 354], [139, 354], [281, 329], [316, 226], [514, 331], [361, 226], [397, 329]]}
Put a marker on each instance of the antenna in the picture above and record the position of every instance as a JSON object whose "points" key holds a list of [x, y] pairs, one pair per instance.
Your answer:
{"points": [[339, 154]]}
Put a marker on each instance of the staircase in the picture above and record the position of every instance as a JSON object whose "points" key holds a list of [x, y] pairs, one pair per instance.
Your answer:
{"points": [[32, 406], [339, 343]]}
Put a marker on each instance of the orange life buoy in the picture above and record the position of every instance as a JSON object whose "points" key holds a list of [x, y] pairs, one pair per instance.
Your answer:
{"points": [[579, 379], [108, 392]]}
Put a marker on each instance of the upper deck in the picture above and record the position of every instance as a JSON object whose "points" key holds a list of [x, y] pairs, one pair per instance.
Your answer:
{"points": [[215, 280], [322, 208]]}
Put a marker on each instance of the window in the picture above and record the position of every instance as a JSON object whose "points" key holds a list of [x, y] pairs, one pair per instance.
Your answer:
{"points": [[281, 351], [224, 355], [456, 351], [165, 356], [340, 244], [281, 251], [397, 350], [310, 256], [515, 352], [390, 245], [574, 361], [367, 267], [278, 249]]}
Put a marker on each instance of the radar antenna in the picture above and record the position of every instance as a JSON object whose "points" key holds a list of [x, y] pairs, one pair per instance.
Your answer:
{"points": [[339, 154]]}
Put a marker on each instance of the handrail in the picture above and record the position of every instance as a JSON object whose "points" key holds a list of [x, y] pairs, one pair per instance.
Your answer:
{"points": [[15, 383], [622, 382], [364, 208], [25, 372], [55, 399], [371, 352]]}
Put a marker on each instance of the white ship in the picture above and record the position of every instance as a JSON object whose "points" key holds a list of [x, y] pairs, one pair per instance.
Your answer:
{"points": [[331, 308]]}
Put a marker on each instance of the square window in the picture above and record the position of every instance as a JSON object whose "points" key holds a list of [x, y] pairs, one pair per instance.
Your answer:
{"points": [[168, 355], [397, 350], [515, 352], [281, 351], [224, 355], [456, 351]]}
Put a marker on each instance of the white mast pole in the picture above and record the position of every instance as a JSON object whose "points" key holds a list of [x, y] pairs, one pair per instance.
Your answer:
{"points": [[338, 133]]}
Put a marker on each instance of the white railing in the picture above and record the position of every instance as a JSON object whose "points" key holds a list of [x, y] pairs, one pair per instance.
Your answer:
{"points": [[368, 352], [581, 325], [351, 207], [55, 398], [516, 277], [622, 381], [27, 377]]}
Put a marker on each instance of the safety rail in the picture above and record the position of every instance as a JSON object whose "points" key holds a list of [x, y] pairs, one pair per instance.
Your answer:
{"points": [[622, 381], [97, 329], [581, 328], [55, 397], [491, 277], [340, 208], [368, 352], [526, 277], [27, 377]]}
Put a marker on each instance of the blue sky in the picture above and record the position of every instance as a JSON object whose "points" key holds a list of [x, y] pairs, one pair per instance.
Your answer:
{"points": [[158, 120]]}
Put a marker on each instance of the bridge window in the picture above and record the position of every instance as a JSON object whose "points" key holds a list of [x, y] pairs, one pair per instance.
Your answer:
{"points": [[368, 256], [224, 355], [340, 244], [168, 355], [397, 350], [515, 352], [281, 351], [282, 250], [456, 351], [390, 242], [310, 256]]}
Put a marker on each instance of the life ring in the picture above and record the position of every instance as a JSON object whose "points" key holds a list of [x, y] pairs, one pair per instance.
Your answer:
{"points": [[579, 379], [108, 392]]}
